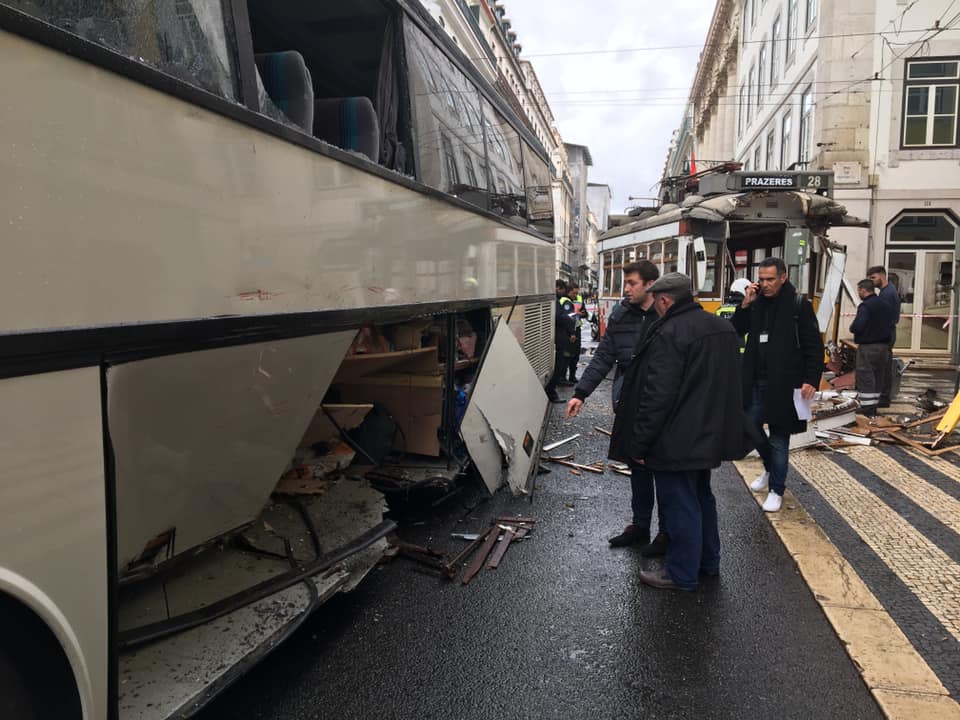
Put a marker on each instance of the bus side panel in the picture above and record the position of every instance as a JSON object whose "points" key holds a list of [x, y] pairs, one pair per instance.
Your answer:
{"points": [[53, 528]]}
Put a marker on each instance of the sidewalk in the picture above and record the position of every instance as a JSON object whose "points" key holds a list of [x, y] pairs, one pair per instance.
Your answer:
{"points": [[875, 535]]}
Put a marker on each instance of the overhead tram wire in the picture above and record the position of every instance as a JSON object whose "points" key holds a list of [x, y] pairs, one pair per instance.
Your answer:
{"points": [[659, 48]]}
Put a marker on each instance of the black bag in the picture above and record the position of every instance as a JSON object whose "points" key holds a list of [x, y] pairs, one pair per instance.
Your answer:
{"points": [[373, 438]]}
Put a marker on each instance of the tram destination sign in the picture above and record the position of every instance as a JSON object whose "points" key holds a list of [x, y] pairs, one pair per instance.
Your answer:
{"points": [[813, 182]]}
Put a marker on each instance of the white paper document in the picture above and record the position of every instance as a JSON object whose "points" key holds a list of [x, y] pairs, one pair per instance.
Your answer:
{"points": [[802, 406]]}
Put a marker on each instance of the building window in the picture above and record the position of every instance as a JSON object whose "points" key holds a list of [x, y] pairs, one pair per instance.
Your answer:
{"points": [[468, 166], [449, 162], [771, 148], [756, 158], [741, 117], [791, 32], [785, 141], [746, 165], [761, 73], [774, 53], [753, 13], [811, 13], [750, 94], [930, 94], [806, 123]]}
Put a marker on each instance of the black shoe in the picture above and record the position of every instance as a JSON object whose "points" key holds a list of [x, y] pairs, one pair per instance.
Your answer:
{"points": [[631, 535], [883, 404], [554, 398], [656, 548], [574, 380]]}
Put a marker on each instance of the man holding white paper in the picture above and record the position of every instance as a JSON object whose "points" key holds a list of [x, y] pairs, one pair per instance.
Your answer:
{"points": [[783, 356]]}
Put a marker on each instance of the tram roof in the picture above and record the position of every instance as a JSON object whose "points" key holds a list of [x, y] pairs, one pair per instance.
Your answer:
{"points": [[817, 211]]}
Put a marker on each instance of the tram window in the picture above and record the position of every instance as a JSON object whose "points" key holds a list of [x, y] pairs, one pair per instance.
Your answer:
{"points": [[184, 38], [670, 258], [448, 119], [607, 281]]}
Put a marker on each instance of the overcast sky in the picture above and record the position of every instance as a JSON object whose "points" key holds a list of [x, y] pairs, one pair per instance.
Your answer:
{"points": [[627, 132]]}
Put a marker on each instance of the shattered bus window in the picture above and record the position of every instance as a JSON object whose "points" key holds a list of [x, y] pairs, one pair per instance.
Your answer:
{"points": [[184, 38]]}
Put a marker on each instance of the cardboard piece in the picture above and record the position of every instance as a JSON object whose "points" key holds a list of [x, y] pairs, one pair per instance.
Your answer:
{"points": [[408, 336], [422, 361], [414, 401], [346, 416]]}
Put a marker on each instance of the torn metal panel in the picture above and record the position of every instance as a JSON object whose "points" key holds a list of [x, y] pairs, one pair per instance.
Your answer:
{"points": [[501, 425]]}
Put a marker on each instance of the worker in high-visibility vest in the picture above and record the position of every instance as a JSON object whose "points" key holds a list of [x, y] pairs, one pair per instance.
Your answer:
{"points": [[579, 312], [738, 289]]}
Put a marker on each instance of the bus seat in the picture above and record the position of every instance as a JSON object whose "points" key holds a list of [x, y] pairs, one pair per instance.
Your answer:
{"points": [[288, 83], [349, 123]]}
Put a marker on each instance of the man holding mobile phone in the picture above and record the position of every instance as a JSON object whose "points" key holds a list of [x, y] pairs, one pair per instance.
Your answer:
{"points": [[784, 352]]}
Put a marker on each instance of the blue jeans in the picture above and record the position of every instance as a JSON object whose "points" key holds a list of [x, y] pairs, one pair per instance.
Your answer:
{"points": [[775, 455], [690, 511], [642, 498]]}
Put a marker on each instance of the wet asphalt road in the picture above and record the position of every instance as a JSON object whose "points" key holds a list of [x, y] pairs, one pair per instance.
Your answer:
{"points": [[563, 629]]}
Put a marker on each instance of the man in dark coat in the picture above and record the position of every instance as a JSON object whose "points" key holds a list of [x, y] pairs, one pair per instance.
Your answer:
{"points": [[564, 338], [626, 326], [681, 415], [871, 331], [891, 296], [784, 353]]}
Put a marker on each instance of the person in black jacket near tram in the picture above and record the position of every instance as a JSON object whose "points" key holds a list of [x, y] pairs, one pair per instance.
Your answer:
{"points": [[872, 329], [680, 415], [626, 327], [564, 338], [784, 352]]}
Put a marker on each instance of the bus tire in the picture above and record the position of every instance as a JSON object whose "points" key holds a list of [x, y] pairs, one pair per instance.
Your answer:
{"points": [[36, 680]]}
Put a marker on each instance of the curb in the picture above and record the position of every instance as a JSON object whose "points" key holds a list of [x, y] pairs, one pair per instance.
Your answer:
{"points": [[901, 682]]}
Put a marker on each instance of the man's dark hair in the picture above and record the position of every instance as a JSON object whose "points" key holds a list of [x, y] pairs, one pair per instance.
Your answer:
{"points": [[877, 270], [866, 284], [774, 262], [644, 268], [561, 284], [574, 285]]}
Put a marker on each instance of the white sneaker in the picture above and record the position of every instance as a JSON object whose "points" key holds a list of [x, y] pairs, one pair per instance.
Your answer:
{"points": [[761, 483], [772, 503]]}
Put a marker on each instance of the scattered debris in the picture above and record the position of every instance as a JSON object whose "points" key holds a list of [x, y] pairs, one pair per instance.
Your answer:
{"points": [[558, 443], [601, 430], [577, 466], [504, 530]]}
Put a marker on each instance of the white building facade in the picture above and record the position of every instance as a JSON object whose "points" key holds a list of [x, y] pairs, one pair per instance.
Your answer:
{"points": [[868, 89]]}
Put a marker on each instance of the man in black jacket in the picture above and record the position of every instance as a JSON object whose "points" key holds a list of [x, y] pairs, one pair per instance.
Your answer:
{"points": [[681, 415], [784, 353], [871, 331], [564, 338], [626, 327]]}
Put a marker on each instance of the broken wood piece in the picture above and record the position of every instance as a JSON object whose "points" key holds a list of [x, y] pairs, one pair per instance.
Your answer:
{"points": [[621, 471], [574, 471], [601, 430], [507, 519], [558, 443], [477, 564], [558, 457], [453, 567], [497, 555], [577, 466], [923, 421]]}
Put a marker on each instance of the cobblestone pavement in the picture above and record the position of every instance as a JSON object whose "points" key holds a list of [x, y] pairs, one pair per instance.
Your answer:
{"points": [[895, 518]]}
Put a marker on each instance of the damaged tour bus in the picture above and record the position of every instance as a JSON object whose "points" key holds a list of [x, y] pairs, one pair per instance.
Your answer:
{"points": [[246, 244]]}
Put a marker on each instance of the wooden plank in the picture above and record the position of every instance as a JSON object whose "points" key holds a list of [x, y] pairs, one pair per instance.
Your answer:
{"points": [[497, 555], [481, 557], [928, 419]]}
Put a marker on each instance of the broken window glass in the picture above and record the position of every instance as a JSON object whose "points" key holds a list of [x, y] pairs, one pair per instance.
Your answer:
{"points": [[187, 39]]}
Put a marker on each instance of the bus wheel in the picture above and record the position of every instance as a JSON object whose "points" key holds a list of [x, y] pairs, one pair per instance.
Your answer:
{"points": [[15, 700]]}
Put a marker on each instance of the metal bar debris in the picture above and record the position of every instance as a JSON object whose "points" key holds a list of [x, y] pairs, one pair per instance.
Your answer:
{"points": [[497, 555], [481, 557], [558, 443]]}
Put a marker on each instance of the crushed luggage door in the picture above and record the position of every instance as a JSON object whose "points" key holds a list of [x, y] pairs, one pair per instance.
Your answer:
{"points": [[501, 425]]}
